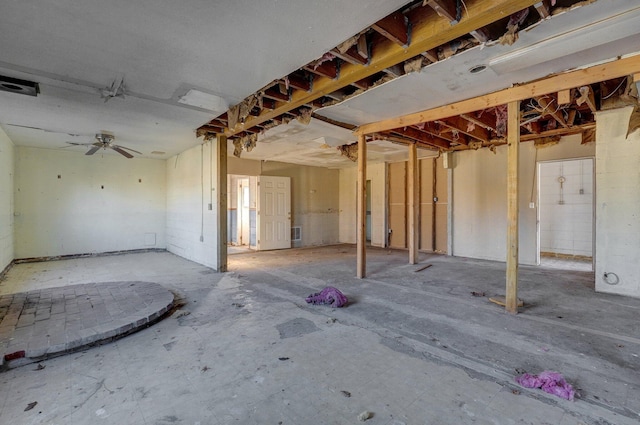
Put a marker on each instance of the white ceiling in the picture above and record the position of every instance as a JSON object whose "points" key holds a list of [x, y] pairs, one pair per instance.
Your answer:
{"points": [[162, 48], [231, 48]]}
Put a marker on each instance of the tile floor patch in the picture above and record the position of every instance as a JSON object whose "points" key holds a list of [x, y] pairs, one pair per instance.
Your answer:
{"points": [[296, 327]]}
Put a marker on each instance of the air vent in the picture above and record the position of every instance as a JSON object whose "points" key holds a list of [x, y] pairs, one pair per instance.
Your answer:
{"points": [[296, 234], [15, 85]]}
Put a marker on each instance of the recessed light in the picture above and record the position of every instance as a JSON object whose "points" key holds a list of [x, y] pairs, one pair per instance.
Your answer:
{"points": [[477, 68]]}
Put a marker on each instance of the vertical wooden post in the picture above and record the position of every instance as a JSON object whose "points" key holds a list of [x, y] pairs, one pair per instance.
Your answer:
{"points": [[513, 141], [221, 201], [413, 204], [361, 219]]}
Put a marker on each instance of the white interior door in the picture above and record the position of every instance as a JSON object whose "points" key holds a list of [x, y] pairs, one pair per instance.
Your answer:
{"points": [[274, 212]]}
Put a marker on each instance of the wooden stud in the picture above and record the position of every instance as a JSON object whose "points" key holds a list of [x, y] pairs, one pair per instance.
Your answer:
{"points": [[414, 203], [444, 8], [513, 140], [362, 47], [543, 9], [426, 34], [221, 198], [361, 213], [563, 81]]}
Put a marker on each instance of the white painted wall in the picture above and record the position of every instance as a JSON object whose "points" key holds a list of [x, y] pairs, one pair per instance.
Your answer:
{"points": [[348, 186], [6, 200], [479, 221], [100, 203], [617, 204], [191, 185], [566, 211]]}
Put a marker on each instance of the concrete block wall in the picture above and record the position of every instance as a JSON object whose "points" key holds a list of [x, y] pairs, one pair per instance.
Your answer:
{"points": [[617, 204]]}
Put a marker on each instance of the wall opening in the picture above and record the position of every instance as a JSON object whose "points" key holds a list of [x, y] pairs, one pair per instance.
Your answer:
{"points": [[565, 214]]}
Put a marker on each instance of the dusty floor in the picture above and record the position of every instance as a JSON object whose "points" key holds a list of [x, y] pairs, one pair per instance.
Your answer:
{"points": [[412, 347]]}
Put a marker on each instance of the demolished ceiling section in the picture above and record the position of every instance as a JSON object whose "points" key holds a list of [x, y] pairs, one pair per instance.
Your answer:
{"points": [[421, 33]]}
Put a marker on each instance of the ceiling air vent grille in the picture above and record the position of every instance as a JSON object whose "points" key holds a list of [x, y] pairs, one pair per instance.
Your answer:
{"points": [[14, 85]]}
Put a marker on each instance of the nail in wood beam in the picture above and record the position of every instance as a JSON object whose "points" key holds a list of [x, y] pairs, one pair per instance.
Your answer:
{"points": [[413, 204], [221, 198], [513, 140], [361, 266]]}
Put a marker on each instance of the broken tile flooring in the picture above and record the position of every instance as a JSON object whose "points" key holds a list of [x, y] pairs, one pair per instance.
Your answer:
{"points": [[412, 347]]}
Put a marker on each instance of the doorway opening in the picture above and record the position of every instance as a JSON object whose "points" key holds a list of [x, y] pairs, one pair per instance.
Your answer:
{"points": [[241, 213], [565, 214]]}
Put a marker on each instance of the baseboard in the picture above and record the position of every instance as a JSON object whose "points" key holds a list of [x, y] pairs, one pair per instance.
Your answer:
{"points": [[92, 254]]}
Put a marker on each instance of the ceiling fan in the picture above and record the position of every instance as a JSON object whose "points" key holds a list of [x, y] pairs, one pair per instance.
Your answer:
{"points": [[105, 141]]}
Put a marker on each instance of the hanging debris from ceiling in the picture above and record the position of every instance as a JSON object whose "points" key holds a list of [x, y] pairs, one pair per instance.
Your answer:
{"points": [[305, 115], [413, 65], [588, 136], [325, 58], [238, 113], [515, 21], [350, 151], [545, 142], [116, 89], [208, 136], [247, 143], [454, 47]]}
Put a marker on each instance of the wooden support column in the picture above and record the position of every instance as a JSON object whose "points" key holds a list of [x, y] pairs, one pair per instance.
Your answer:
{"points": [[414, 203], [221, 201], [361, 218], [513, 141]]}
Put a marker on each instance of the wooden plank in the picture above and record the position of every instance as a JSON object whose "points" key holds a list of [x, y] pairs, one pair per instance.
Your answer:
{"points": [[564, 97], [350, 56], [361, 218], [550, 109], [299, 83], [597, 73], [460, 124], [485, 121], [426, 34], [328, 69], [513, 140], [543, 9], [444, 8], [395, 27], [558, 132], [414, 203], [221, 200], [423, 136]]}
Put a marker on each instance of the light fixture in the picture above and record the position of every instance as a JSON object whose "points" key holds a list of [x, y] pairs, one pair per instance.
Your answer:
{"points": [[477, 68], [203, 100]]}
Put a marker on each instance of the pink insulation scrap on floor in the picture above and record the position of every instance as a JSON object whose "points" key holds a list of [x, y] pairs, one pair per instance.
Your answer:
{"points": [[328, 295], [550, 382]]}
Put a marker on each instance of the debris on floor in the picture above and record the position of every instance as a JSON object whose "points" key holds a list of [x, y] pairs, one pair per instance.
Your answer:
{"points": [[40, 366], [550, 382], [205, 368], [332, 320], [345, 393], [328, 295], [477, 294], [30, 406], [282, 359], [423, 268], [364, 416], [237, 305]]}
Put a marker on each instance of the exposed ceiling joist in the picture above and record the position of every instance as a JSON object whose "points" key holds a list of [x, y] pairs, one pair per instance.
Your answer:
{"points": [[594, 74], [428, 32], [395, 27]]}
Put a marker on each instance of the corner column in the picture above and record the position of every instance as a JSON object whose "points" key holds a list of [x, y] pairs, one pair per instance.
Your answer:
{"points": [[221, 201], [513, 150], [361, 234]]}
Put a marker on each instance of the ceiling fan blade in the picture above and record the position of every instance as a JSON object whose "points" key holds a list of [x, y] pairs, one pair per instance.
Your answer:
{"points": [[120, 151], [129, 149], [92, 150]]}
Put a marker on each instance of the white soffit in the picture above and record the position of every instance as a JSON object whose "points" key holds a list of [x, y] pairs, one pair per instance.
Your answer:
{"points": [[565, 41]]}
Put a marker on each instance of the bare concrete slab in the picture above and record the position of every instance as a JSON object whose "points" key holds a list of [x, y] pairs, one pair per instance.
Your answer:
{"points": [[43, 323]]}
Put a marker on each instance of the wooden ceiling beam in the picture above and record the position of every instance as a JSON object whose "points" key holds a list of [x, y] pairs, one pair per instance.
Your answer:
{"points": [[420, 136], [352, 56], [558, 132], [461, 125], [550, 109], [485, 121], [447, 9], [395, 27], [275, 94], [566, 80], [428, 32], [299, 83]]}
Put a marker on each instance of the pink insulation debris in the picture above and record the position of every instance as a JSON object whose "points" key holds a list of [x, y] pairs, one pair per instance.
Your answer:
{"points": [[550, 382], [328, 295]]}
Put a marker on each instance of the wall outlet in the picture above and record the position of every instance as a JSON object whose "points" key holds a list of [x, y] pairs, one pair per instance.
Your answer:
{"points": [[210, 207], [532, 204]]}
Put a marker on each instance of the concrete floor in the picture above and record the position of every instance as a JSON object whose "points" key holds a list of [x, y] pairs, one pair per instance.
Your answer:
{"points": [[412, 347]]}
